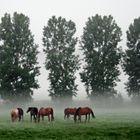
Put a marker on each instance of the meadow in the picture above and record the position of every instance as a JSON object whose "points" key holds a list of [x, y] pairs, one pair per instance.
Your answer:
{"points": [[110, 124]]}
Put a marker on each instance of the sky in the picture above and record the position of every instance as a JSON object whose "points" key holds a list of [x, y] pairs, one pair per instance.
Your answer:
{"points": [[39, 12]]}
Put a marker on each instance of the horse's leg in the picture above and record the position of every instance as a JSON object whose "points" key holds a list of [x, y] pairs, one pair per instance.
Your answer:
{"points": [[49, 118], [88, 117], [31, 117], [38, 117], [65, 116], [79, 118], [22, 117], [42, 118], [68, 116], [19, 118], [34, 118], [75, 118], [85, 118]]}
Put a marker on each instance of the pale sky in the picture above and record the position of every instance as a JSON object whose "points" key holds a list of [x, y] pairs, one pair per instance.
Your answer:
{"points": [[39, 12]]}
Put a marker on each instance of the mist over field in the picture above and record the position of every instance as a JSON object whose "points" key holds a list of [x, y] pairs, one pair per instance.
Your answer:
{"points": [[113, 121]]}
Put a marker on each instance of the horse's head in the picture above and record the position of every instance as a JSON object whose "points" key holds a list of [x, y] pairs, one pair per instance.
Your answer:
{"points": [[29, 109], [76, 113]]}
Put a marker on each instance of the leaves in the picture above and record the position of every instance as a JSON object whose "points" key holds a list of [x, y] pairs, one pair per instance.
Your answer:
{"points": [[59, 45], [131, 59], [18, 58], [99, 44]]}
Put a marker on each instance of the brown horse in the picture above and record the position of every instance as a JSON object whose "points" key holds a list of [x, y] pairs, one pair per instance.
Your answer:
{"points": [[45, 112], [16, 113], [83, 111], [68, 112]]}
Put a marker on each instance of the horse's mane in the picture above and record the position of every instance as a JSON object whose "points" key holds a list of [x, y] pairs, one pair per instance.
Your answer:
{"points": [[77, 110]]}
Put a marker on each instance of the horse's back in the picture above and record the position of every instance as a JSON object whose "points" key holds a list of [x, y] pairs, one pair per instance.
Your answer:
{"points": [[72, 110], [83, 110], [34, 110], [45, 111]]}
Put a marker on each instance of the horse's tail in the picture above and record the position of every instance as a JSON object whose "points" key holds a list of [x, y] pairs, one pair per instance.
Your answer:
{"points": [[93, 116], [52, 116], [76, 113], [22, 113]]}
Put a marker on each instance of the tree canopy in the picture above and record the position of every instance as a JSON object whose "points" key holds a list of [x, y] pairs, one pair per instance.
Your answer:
{"points": [[132, 59], [18, 58], [61, 61], [102, 55]]}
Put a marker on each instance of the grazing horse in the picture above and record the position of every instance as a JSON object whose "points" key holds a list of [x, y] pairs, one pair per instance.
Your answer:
{"points": [[46, 112], [68, 112], [17, 113], [33, 112], [83, 111]]}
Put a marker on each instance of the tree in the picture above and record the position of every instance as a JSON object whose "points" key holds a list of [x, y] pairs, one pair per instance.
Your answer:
{"points": [[132, 59], [99, 44], [18, 58], [61, 61]]}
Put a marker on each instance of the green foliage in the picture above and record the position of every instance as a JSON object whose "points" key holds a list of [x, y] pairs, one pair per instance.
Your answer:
{"points": [[18, 58], [62, 63], [132, 59], [99, 43]]}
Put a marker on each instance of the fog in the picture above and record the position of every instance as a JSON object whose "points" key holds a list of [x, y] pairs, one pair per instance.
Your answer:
{"points": [[103, 109]]}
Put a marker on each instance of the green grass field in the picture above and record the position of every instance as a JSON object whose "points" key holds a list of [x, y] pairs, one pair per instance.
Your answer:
{"points": [[110, 124]]}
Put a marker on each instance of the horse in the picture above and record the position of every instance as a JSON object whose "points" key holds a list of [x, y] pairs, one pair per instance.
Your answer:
{"points": [[17, 113], [68, 112], [33, 113], [46, 112], [83, 111]]}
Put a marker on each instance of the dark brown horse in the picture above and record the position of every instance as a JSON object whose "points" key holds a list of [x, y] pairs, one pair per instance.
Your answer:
{"points": [[17, 113], [33, 113], [46, 112], [68, 112], [83, 111]]}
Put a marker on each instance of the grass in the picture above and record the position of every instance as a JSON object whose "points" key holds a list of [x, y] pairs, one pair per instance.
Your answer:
{"points": [[110, 124]]}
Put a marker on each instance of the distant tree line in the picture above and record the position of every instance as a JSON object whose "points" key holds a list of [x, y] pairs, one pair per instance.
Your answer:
{"points": [[102, 56]]}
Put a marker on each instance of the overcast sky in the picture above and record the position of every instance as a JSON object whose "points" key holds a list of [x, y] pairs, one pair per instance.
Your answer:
{"points": [[39, 11]]}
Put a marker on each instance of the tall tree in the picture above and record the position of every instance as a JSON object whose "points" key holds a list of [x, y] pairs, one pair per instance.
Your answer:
{"points": [[132, 59], [61, 61], [99, 44], [18, 58]]}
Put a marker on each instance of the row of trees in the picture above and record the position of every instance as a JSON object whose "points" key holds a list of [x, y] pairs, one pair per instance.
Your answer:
{"points": [[102, 56]]}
